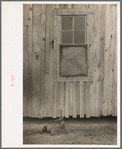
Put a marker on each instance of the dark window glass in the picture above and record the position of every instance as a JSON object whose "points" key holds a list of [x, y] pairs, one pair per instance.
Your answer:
{"points": [[67, 36], [79, 23], [79, 36], [67, 23]]}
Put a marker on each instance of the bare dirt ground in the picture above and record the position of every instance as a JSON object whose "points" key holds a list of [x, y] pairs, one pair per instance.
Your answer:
{"points": [[98, 131]]}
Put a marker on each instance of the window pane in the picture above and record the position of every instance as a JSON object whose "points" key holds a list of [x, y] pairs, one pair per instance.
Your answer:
{"points": [[73, 61], [67, 36], [79, 36], [67, 23], [79, 23]]}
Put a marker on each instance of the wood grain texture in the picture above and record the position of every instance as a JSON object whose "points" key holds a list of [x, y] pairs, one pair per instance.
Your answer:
{"points": [[49, 61], [96, 53], [102, 47], [87, 99], [29, 111], [26, 43], [44, 91], [38, 59], [74, 100], [114, 89], [71, 100], [91, 98], [106, 60], [111, 58], [67, 100], [58, 100], [78, 97], [48, 36], [72, 11], [90, 45], [62, 101], [57, 24], [82, 99], [55, 100]]}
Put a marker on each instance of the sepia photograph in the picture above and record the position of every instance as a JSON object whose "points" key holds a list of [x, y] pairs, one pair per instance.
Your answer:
{"points": [[70, 74]]}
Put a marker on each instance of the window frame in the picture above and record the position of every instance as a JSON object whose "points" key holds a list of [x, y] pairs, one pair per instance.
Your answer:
{"points": [[58, 13], [73, 30]]}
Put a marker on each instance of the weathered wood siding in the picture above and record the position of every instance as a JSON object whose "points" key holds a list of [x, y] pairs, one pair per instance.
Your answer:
{"points": [[42, 97]]}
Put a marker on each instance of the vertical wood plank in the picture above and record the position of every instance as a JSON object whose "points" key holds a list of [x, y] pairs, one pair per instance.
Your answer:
{"points": [[56, 45], [91, 54], [56, 23], [49, 62], [91, 99], [76, 6], [106, 60], [78, 98], [49, 102], [114, 88], [27, 14], [67, 100], [29, 104], [55, 100], [58, 100], [74, 101], [97, 12], [62, 102], [84, 88], [81, 99], [102, 47], [111, 58], [69, 6], [38, 59], [48, 31], [71, 99], [90, 43], [87, 99]]}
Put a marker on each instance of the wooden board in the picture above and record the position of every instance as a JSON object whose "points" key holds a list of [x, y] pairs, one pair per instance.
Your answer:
{"points": [[91, 99], [25, 58], [48, 63], [67, 100], [82, 99], [48, 36], [72, 11], [38, 59], [87, 99], [106, 60], [62, 102], [90, 45], [78, 97], [55, 100], [114, 89], [111, 59], [30, 62], [96, 54], [71, 100], [73, 61], [58, 112], [102, 47], [56, 45], [74, 100]]}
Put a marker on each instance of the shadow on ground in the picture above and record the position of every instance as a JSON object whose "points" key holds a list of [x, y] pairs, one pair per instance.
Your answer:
{"points": [[98, 131]]}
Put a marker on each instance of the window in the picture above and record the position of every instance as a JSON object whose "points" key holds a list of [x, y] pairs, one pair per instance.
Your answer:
{"points": [[73, 45], [74, 29], [73, 60]]}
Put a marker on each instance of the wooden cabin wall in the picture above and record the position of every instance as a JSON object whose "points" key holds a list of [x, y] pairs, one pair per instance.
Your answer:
{"points": [[41, 96]]}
